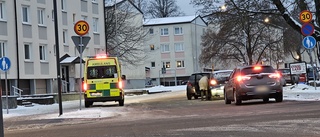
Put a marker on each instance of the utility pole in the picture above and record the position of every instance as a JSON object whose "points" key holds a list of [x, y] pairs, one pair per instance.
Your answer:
{"points": [[56, 31]]}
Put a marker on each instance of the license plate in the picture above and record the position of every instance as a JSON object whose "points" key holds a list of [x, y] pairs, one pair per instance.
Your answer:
{"points": [[96, 94], [262, 89]]}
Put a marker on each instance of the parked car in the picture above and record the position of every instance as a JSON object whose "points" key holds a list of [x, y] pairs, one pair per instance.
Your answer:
{"points": [[289, 78], [221, 76], [253, 82], [311, 75], [193, 89]]}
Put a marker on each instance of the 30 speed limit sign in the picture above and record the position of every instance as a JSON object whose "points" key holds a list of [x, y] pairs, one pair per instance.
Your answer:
{"points": [[81, 27], [305, 16]]}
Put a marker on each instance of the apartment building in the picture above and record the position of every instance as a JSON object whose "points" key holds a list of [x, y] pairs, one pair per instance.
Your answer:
{"points": [[27, 38], [173, 43]]}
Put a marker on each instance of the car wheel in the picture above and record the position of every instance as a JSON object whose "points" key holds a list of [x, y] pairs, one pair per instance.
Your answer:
{"points": [[237, 100], [265, 100], [279, 97], [226, 100], [189, 96], [121, 102], [87, 103]]}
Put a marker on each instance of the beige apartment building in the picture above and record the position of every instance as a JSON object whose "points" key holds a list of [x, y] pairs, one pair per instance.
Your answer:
{"points": [[27, 38], [173, 43]]}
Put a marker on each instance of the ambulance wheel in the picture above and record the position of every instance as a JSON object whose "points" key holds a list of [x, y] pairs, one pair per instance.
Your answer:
{"points": [[121, 102], [87, 104]]}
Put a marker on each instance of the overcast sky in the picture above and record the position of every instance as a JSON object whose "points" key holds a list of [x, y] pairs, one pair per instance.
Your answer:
{"points": [[186, 7]]}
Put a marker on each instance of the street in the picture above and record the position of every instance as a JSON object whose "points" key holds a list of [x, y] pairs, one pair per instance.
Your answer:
{"points": [[171, 114]]}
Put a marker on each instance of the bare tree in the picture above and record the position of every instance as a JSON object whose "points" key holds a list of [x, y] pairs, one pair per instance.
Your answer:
{"points": [[242, 37], [163, 8], [125, 33], [288, 10]]}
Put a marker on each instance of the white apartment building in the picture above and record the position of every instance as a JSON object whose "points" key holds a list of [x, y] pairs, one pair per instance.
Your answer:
{"points": [[27, 38], [173, 43]]}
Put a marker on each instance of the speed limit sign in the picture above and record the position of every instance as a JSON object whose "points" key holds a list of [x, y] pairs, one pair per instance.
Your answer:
{"points": [[305, 16], [81, 27]]}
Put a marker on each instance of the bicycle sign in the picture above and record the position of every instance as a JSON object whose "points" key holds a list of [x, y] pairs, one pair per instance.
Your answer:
{"points": [[81, 27]]}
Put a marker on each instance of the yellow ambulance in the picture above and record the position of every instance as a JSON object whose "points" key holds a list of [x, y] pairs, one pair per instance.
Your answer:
{"points": [[102, 80]]}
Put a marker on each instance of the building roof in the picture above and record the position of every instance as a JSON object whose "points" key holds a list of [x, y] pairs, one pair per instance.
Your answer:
{"points": [[66, 59], [169, 20]]}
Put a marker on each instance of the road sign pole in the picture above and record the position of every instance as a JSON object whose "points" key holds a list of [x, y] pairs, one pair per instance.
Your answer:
{"points": [[6, 84], [81, 82], [1, 116]]}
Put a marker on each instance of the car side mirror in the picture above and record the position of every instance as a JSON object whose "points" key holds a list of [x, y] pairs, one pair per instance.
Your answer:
{"points": [[123, 77]]}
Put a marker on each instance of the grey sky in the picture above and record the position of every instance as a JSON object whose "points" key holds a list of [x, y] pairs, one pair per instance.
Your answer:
{"points": [[187, 8]]}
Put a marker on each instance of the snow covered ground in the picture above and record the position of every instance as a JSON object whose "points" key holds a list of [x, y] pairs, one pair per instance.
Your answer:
{"points": [[71, 109]]}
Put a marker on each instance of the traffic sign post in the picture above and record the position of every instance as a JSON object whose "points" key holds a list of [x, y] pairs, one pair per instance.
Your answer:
{"points": [[5, 66], [81, 28], [305, 16], [309, 42], [307, 29]]}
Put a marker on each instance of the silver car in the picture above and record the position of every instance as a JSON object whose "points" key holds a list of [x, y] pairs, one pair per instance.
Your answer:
{"points": [[253, 82]]}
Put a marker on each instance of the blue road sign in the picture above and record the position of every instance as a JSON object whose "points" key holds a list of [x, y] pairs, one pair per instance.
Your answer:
{"points": [[5, 63], [309, 42], [307, 29]]}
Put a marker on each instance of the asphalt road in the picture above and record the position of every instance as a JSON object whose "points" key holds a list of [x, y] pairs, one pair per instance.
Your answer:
{"points": [[171, 114]]}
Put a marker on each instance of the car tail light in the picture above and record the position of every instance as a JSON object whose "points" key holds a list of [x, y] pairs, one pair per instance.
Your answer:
{"points": [[213, 82], [84, 86], [257, 68], [275, 75], [120, 84], [241, 78]]}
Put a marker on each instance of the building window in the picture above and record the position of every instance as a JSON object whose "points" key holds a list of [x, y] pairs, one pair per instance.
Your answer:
{"points": [[164, 47], [2, 11], [153, 64], [43, 52], [180, 64], [27, 51], [166, 64], [25, 14], [2, 49], [152, 47], [95, 24], [178, 47], [151, 31], [41, 16], [63, 5], [65, 37], [83, 17], [94, 1], [164, 32], [178, 31]]}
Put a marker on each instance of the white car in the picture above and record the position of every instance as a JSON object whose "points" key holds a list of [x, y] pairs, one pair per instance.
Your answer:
{"points": [[221, 76]]}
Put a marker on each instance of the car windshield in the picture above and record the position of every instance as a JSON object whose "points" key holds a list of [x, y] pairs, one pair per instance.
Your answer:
{"points": [[253, 70]]}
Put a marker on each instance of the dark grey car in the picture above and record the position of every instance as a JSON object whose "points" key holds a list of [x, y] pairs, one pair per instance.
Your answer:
{"points": [[253, 82]]}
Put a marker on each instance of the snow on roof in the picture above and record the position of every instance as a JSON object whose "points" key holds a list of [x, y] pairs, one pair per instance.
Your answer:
{"points": [[169, 20], [68, 60]]}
